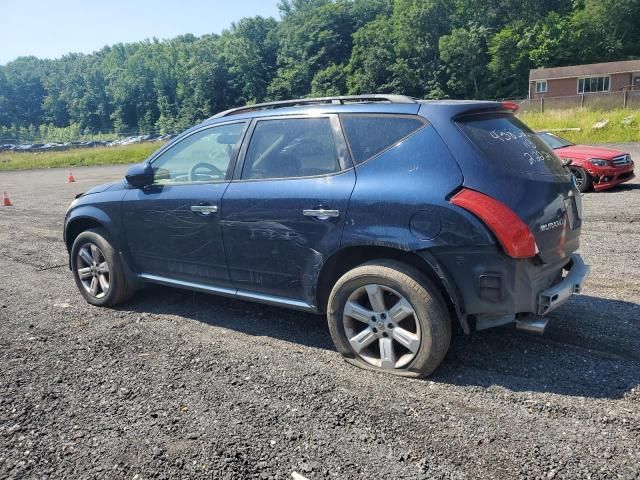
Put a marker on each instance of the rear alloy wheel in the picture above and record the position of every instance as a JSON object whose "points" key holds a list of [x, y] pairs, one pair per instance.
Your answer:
{"points": [[381, 326], [98, 269], [387, 316], [583, 179]]}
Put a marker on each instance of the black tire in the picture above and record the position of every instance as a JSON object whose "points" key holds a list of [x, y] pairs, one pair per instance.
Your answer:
{"points": [[118, 290], [583, 179], [430, 315]]}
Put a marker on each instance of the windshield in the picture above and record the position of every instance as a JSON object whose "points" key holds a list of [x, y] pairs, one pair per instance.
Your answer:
{"points": [[506, 141], [554, 141]]}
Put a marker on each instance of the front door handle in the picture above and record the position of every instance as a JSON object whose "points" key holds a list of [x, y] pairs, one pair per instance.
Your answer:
{"points": [[321, 213], [204, 209]]}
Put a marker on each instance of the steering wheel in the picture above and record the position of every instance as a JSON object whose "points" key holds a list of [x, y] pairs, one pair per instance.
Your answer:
{"points": [[215, 171]]}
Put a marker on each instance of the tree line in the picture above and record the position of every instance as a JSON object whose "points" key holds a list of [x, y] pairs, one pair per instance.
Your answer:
{"points": [[423, 48]]}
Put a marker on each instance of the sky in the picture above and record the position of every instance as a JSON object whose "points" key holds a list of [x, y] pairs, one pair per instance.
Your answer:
{"points": [[52, 28]]}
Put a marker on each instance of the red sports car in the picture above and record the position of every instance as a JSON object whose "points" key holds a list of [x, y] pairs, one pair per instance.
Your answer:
{"points": [[596, 167]]}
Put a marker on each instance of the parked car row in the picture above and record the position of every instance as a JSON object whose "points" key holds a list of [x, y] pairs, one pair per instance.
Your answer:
{"points": [[37, 147], [140, 139], [56, 146]]}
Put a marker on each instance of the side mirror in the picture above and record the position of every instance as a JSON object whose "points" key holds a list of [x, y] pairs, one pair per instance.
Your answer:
{"points": [[139, 175]]}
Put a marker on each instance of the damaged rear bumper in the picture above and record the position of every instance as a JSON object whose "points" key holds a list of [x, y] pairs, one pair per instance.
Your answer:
{"points": [[493, 289], [552, 298]]}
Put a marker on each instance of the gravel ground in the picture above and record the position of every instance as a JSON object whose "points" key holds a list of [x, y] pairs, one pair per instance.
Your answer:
{"points": [[178, 384]]}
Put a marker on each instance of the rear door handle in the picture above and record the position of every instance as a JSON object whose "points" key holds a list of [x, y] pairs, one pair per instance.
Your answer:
{"points": [[204, 209], [321, 213]]}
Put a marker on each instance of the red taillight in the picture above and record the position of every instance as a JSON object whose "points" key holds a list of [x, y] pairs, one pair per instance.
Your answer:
{"points": [[510, 106], [512, 233]]}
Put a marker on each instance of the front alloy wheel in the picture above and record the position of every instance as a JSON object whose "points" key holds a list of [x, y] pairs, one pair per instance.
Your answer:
{"points": [[93, 270], [99, 270], [583, 180]]}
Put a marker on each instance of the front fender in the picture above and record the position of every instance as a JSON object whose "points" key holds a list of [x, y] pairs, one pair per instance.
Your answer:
{"points": [[88, 214], [106, 216], [98, 209]]}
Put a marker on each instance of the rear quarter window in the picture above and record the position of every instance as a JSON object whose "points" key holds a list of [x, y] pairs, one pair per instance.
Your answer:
{"points": [[368, 135], [508, 143]]}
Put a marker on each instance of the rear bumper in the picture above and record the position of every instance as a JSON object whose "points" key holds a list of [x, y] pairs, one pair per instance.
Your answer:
{"points": [[553, 297], [494, 289]]}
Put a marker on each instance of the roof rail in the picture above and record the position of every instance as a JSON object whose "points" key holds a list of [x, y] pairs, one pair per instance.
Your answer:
{"points": [[340, 100]]}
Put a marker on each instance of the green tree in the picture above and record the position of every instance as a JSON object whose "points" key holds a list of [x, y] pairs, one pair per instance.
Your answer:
{"points": [[463, 53], [249, 50], [372, 58], [605, 30], [24, 78], [424, 48], [521, 46], [315, 34], [7, 116], [330, 81], [400, 54]]}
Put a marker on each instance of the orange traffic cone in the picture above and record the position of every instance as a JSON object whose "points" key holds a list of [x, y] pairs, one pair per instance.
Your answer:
{"points": [[5, 200], [70, 178]]}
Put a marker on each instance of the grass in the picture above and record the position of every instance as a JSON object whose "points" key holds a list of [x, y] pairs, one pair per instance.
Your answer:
{"points": [[615, 131], [78, 157]]}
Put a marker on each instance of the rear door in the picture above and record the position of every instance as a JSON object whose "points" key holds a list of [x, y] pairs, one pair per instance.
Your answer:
{"points": [[284, 213], [508, 162]]}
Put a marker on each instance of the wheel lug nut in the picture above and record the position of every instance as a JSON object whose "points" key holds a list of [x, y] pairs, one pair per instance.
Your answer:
{"points": [[373, 318], [385, 334], [375, 330], [390, 325], [383, 315]]}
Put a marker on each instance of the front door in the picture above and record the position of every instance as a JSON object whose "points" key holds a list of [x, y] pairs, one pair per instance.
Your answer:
{"points": [[173, 226], [285, 213]]}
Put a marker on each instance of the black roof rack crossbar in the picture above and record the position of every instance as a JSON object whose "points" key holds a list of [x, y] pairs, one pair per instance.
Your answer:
{"points": [[318, 101]]}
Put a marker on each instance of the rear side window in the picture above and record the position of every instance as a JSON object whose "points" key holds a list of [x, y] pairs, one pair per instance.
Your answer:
{"points": [[369, 135], [508, 143], [300, 147]]}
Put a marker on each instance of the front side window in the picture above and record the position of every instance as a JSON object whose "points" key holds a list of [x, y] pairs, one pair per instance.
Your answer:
{"points": [[201, 157], [368, 135], [541, 86], [594, 84], [289, 148]]}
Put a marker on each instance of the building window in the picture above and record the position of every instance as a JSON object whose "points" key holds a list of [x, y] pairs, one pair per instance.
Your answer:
{"points": [[541, 86], [594, 84]]}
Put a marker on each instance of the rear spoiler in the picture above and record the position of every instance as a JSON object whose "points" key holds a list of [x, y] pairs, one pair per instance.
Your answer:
{"points": [[456, 108]]}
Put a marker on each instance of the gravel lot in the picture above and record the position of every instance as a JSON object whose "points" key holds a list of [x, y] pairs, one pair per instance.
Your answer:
{"points": [[179, 384]]}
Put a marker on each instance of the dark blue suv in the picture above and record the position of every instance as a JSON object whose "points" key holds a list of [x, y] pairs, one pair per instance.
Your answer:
{"points": [[399, 218]]}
